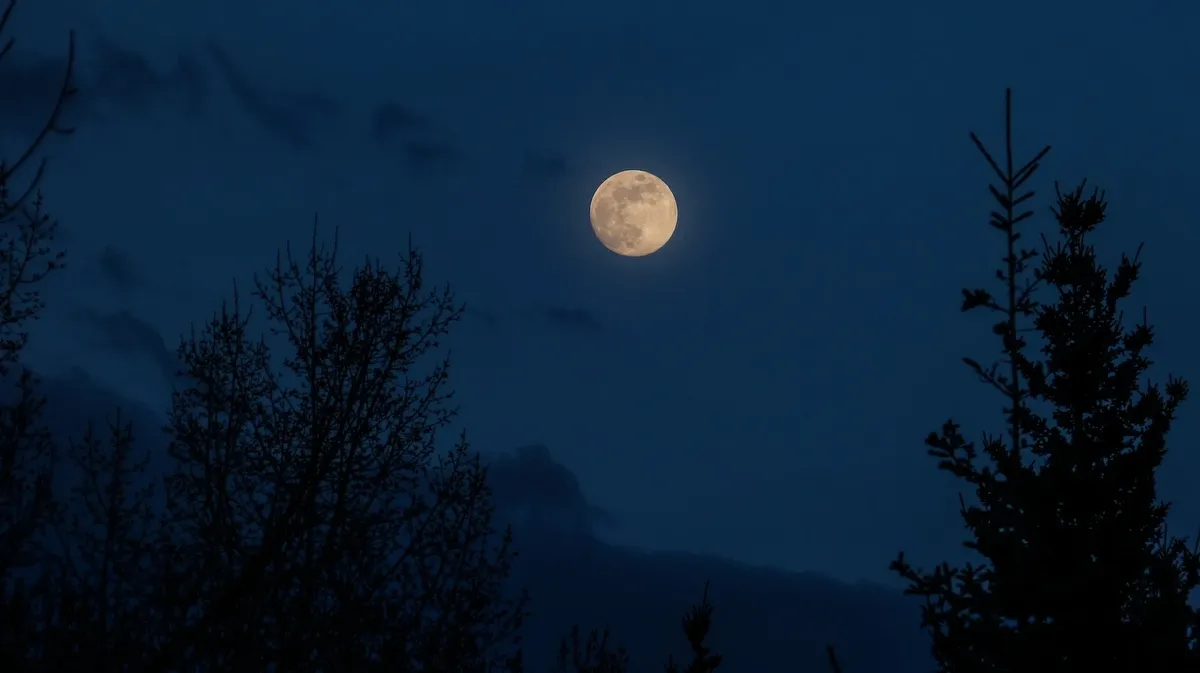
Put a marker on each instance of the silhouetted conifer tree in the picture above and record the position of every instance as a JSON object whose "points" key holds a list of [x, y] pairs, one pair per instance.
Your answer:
{"points": [[597, 653], [1078, 571], [594, 654], [696, 625]]}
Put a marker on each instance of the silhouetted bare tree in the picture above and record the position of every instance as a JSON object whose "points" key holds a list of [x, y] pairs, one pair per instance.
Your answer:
{"points": [[312, 523], [311, 520], [14, 197], [1079, 572], [86, 610], [26, 453]]}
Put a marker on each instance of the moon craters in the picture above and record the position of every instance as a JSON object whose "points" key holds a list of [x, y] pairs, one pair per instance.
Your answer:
{"points": [[633, 213]]}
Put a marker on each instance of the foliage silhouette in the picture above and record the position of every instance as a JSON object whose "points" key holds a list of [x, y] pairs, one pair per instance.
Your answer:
{"points": [[696, 625], [85, 606], [598, 654], [594, 654], [26, 452], [308, 520], [1079, 571], [12, 202], [311, 520]]}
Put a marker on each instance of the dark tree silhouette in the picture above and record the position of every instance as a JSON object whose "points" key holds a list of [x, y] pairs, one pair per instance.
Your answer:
{"points": [[598, 653], [1079, 572], [312, 523], [309, 519], [595, 654], [85, 607], [696, 625], [26, 454], [14, 198]]}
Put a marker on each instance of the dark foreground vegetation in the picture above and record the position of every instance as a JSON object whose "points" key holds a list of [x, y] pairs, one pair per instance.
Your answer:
{"points": [[309, 518]]}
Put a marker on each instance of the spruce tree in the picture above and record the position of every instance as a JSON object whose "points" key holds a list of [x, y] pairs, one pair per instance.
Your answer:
{"points": [[1078, 571]]}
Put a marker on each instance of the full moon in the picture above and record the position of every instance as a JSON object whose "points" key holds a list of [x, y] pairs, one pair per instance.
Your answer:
{"points": [[634, 213]]}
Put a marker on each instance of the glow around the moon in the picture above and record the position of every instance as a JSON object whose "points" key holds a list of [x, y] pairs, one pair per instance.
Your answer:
{"points": [[634, 213]]}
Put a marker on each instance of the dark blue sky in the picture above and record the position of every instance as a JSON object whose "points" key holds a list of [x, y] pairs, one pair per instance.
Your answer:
{"points": [[760, 387]]}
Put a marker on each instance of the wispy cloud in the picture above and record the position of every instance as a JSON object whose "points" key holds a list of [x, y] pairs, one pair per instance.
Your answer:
{"points": [[557, 317], [570, 319], [391, 119], [291, 116], [485, 317], [529, 484], [123, 74], [124, 333], [425, 158], [542, 165], [427, 148], [30, 88], [118, 269]]}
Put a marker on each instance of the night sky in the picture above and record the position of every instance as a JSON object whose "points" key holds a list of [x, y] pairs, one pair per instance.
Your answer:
{"points": [[758, 389]]}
